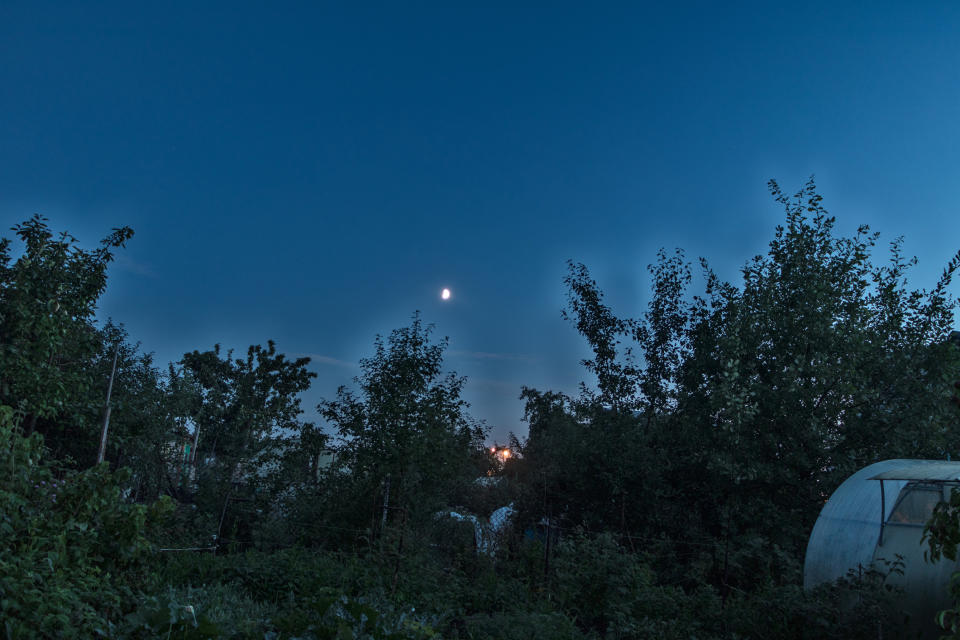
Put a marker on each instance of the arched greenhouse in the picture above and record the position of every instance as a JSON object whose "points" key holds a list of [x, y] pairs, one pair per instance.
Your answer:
{"points": [[876, 516]]}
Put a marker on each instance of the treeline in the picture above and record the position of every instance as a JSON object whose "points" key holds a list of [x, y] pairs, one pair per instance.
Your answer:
{"points": [[671, 498]]}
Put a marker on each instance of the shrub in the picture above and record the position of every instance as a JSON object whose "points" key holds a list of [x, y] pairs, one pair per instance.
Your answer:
{"points": [[75, 550]]}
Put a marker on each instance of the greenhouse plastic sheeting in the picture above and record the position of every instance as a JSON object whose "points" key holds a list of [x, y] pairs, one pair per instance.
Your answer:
{"points": [[846, 533]]}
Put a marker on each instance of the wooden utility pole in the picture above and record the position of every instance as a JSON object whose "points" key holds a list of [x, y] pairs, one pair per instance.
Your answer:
{"points": [[196, 443], [106, 411]]}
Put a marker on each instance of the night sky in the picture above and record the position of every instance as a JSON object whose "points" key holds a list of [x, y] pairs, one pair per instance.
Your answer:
{"points": [[314, 175]]}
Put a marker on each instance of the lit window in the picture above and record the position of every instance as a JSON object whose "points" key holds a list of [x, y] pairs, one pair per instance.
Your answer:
{"points": [[915, 505]]}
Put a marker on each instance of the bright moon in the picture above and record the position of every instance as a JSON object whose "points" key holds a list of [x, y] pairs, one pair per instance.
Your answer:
{"points": [[445, 294]]}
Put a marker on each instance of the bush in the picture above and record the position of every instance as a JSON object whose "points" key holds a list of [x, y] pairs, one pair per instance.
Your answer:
{"points": [[75, 550], [519, 626], [290, 593]]}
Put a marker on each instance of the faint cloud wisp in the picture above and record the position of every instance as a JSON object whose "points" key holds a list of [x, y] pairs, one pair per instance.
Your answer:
{"points": [[486, 355], [322, 359], [129, 265]]}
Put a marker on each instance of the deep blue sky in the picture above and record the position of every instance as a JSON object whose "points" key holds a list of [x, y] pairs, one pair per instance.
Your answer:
{"points": [[314, 175]]}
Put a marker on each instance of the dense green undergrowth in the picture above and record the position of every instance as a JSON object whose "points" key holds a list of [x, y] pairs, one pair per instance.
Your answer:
{"points": [[83, 565], [595, 590]]}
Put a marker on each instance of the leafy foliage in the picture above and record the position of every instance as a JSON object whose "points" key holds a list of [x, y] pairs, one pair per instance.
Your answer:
{"points": [[672, 499], [406, 430], [942, 535], [747, 405], [75, 551], [244, 414], [47, 298]]}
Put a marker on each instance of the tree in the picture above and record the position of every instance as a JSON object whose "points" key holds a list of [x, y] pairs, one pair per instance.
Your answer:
{"points": [[615, 435], [820, 363], [406, 429], [47, 300], [247, 411], [736, 412], [148, 414]]}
